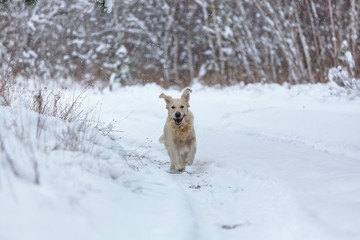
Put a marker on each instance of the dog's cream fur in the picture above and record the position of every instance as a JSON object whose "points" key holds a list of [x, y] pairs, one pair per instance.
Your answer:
{"points": [[179, 134]]}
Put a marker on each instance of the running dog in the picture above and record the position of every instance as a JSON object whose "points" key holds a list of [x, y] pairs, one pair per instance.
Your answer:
{"points": [[179, 134]]}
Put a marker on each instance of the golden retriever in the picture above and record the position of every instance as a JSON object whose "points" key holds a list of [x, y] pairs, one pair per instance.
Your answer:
{"points": [[179, 134]]}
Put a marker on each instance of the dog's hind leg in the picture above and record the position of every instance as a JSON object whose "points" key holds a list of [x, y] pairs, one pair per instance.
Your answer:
{"points": [[162, 139]]}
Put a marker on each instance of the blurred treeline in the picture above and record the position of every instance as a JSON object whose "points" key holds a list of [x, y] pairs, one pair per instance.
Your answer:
{"points": [[175, 42]]}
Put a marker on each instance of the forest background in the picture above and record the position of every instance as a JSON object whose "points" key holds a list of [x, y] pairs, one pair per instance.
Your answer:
{"points": [[178, 42]]}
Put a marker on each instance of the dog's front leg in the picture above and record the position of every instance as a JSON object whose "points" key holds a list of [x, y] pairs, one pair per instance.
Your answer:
{"points": [[191, 155], [176, 165], [172, 166]]}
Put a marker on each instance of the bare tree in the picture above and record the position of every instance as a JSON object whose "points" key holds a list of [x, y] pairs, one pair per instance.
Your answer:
{"points": [[354, 26], [175, 53], [209, 38], [334, 40], [169, 13], [218, 39], [305, 46], [254, 53]]}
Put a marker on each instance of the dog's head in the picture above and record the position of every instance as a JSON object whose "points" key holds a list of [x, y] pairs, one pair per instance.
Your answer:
{"points": [[178, 107]]}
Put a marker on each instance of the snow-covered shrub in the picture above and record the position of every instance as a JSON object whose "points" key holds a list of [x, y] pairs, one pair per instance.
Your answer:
{"points": [[344, 75], [341, 76], [31, 130]]}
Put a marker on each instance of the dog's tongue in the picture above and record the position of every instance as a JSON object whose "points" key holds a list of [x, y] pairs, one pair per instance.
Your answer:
{"points": [[179, 120]]}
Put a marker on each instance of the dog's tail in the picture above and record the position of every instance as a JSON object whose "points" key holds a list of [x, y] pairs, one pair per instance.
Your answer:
{"points": [[162, 139]]}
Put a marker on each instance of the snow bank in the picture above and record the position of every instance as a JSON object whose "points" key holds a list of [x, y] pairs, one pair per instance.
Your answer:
{"points": [[47, 167]]}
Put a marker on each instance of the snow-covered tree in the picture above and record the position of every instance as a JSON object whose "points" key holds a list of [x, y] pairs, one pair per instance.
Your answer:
{"points": [[122, 68]]}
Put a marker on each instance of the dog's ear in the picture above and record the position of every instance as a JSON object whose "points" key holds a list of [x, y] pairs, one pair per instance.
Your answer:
{"points": [[167, 98], [186, 95]]}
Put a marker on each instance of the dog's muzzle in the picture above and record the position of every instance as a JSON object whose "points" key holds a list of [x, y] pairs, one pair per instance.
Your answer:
{"points": [[178, 118]]}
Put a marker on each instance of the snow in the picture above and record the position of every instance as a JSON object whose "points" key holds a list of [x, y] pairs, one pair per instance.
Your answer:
{"points": [[349, 60], [228, 32], [108, 5], [273, 162]]}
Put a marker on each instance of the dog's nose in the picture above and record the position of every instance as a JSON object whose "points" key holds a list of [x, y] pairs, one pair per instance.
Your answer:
{"points": [[177, 114]]}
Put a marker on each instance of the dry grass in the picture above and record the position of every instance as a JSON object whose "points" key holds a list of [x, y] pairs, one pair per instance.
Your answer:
{"points": [[6, 85], [52, 103]]}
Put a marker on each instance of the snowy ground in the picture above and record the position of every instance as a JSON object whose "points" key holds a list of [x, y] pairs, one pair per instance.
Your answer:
{"points": [[272, 163]]}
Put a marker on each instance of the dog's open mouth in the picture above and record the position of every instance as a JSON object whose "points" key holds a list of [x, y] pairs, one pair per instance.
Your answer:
{"points": [[178, 121]]}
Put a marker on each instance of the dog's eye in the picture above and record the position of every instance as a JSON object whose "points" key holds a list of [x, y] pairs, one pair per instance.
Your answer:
{"points": [[173, 107], [182, 106]]}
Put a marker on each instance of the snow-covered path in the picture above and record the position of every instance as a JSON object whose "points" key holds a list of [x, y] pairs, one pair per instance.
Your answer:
{"points": [[271, 163]]}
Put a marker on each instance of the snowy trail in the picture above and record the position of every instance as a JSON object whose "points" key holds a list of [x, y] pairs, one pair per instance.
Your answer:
{"points": [[271, 163], [287, 173]]}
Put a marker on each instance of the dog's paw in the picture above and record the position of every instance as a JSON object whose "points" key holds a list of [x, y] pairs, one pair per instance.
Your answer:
{"points": [[174, 169], [177, 170], [189, 162]]}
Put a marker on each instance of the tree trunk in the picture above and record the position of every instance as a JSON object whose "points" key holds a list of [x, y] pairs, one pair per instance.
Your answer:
{"points": [[210, 43], [189, 39], [116, 20], [339, 21], [353, 24], [176, 54], [322, 62], [253, 50], [333, 32], [292, 76], [305, 47], [190, 57], [218, 40], [315, 37], [167, 27]]}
